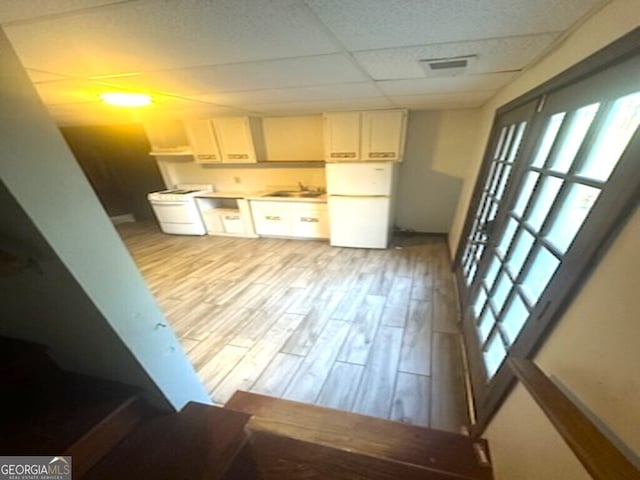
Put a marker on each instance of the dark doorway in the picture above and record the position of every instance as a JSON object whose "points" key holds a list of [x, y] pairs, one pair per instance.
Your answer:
{"points": [[116, 161]]}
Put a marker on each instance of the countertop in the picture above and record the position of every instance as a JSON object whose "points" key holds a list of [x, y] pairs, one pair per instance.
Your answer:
{"points": [[263, 195], [229, 194], [321, 199]]}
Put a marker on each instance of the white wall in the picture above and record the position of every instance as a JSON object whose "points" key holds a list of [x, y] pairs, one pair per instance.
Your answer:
{"points": [[426, 197], [90, 304], [248, 179], [439, 146], [594, 348]]}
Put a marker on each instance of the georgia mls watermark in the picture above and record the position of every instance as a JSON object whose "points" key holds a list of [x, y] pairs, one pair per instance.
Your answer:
{"points": [[35, 468]]}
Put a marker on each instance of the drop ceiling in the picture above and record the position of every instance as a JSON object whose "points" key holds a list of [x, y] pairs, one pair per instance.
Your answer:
{"points": [[276, 57]]}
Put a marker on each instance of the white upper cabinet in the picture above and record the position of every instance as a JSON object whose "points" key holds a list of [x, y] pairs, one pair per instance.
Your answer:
{"points": [[236, 137], [203, 141], [365, 136], [342, 136], [383, 134], [167, 137]]}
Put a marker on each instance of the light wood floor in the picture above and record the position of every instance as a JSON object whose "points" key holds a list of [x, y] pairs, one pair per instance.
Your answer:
{"points": [[368, 331]]}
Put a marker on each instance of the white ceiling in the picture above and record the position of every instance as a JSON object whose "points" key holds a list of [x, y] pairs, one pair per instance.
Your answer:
{"points": [[276, 57]]}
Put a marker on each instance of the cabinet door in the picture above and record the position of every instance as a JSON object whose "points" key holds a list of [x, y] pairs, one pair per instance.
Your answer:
{"points": [[271, 218], [342, 136], [383, 135], [202, 139], [235, 139], [166, 136], [310, 220]]}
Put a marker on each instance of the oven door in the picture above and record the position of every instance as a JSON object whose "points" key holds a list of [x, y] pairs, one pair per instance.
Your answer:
{"points": [[178, 217]]}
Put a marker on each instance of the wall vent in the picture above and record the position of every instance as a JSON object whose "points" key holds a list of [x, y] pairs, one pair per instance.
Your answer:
{"points": [[447, 67]]}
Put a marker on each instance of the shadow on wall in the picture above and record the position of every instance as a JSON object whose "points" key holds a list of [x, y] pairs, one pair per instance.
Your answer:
{"points": [[426, 198]]}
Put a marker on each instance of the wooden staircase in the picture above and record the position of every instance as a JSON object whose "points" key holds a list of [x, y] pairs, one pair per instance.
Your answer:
{"points": [[112, 433]]}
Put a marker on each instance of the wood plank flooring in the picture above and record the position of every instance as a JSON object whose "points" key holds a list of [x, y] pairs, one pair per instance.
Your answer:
{"points": [[368, 331]]}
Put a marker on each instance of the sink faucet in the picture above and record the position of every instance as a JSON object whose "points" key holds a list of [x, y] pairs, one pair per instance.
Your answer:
{"points": [[302, 187]]}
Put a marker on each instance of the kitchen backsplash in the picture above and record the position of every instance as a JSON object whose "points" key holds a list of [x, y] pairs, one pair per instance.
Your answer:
{"points": [[239, 179]]}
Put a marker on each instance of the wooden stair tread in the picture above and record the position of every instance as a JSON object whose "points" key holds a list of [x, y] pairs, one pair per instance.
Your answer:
{"points": [[199, 442], [435, 449], [269, 456], [50, 414]]}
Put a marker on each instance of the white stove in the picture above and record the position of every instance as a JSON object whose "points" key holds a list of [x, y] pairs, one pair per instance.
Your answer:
{"points": [[177, 211]]}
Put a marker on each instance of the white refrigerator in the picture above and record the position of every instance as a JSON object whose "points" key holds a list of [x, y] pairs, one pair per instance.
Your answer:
{"points": [[360, 198]]}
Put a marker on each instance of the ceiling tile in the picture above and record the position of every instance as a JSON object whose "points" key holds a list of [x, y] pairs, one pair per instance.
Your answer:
{"points": [[323, 92], [291, 72], [37, 76], [494, 55], [145, 36], [17, 10], [314, 106], [372, 24], [442, 101], [461, 83]]}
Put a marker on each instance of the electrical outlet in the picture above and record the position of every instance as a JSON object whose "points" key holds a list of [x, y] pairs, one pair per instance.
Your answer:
{"points": [[237, 179]]}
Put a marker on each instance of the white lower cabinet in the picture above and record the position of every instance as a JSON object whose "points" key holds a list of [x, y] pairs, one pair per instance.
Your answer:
{"points": [[226, 216], [310, 220], [271, 218], [290, 219]]}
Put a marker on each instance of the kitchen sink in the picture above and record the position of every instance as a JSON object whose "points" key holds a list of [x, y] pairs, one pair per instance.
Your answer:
{"points": [[293, 193]]}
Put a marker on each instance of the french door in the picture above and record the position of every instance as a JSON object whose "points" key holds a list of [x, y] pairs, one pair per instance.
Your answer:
{"points": [[563, 171]]}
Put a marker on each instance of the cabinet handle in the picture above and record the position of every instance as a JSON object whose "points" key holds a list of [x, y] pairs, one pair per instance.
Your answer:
{"points": [[272, 217], [207, 157], [343, 154], [238, 156], [309, 219], [382, 154], [232, 217]]}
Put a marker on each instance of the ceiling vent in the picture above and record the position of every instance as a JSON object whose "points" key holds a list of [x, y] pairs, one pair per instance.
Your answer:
{"points": [[447, 67]]}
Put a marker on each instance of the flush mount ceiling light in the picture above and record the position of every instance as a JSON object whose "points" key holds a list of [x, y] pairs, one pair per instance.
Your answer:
{"points": [[447, 67], [122, 99]]}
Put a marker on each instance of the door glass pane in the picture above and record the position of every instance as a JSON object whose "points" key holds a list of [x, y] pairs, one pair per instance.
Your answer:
{"points": [[515, 146], [496, 177], [494, 355], [486, 324], [514, 318], [580, 123], [501, 292], [480, 302], [507, 237], [503, 133], [492, 272], [525, 193], [573, 211], [611, 141], [520, 251], [507, 143], [492, 170], [544, 199], [503, 182], [549, 137], [542, 268]]}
